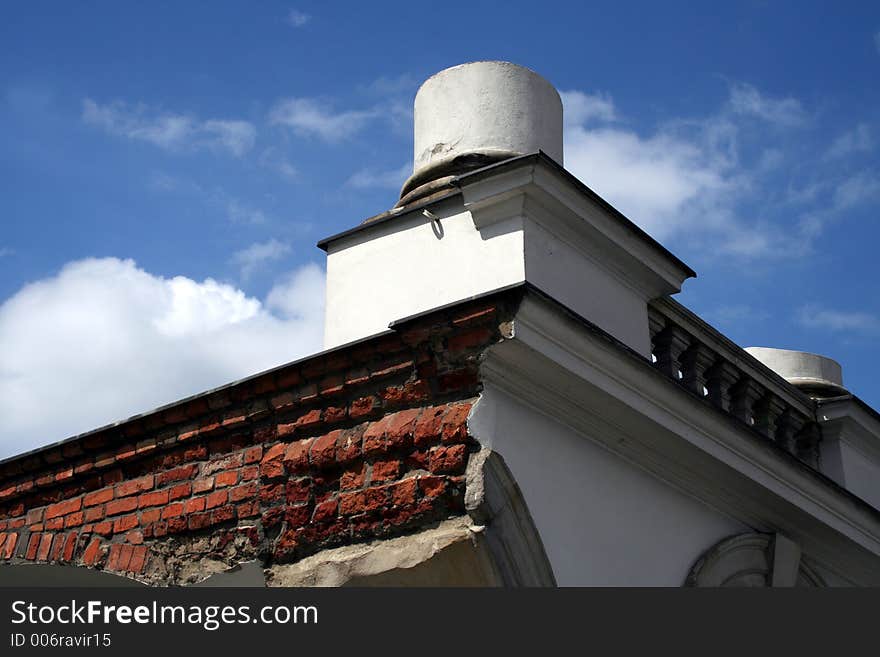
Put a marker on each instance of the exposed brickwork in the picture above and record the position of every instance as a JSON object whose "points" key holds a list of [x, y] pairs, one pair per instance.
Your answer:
{"points": [[362, 442]]}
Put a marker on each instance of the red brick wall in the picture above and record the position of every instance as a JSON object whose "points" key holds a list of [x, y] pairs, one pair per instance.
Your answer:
{"points": [[365, 441]]}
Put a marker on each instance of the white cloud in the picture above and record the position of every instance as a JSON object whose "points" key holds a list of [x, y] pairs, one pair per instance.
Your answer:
{"points": [[580, 108], [404, 84], [6, 251], [771, 158], [104, 339], [399, 113], [235, 136], [216, 199], [241, 213], [297, 18], [747, 100], [173, 132], [843, 195], [257, 254], [389, 98], [164, 182], [372, 179], [311, 118], [653, 180], [300, 294], [856, 190], [286, 169], [273, 159], [803, 194], [197, 308], [703, 182], [815, 316], [859, 139]]}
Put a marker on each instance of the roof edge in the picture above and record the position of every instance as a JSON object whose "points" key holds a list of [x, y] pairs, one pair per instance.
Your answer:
{"points": [[538, 157], [157, 412]]}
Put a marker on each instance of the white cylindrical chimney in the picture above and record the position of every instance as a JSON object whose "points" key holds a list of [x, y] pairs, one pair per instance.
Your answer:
{"points": [[816, 375], [475, 114]]}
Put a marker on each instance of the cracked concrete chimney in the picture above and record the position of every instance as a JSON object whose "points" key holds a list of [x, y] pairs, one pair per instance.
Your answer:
{"points": [[472, 115]]}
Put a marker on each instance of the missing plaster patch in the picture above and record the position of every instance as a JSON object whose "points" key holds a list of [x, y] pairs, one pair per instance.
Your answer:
{"points": [[450, 554]]}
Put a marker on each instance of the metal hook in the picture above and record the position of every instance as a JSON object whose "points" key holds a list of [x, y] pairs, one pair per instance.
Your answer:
{"points": [[436, 226]]}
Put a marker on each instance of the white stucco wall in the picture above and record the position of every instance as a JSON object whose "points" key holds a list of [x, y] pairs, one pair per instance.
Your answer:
{"points": [[852, 469], [412, 265], [578, 281], [408, 266], [603, 521]]}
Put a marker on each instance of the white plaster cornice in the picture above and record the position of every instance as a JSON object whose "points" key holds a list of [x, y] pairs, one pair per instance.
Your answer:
{"points": [[584, 379], [578, 217], [846, 420]]}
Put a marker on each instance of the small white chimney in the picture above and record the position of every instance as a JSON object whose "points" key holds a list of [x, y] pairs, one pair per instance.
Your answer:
{"points": [[484, 210], [472, 115], [818, 376]]}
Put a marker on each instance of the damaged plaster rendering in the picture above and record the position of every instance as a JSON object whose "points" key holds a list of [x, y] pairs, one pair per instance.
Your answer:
{"points": [[509, 396]]}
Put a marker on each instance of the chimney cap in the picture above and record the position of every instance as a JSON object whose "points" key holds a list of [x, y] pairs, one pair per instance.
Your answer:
{"points": [[818, 376], [475, 114]]}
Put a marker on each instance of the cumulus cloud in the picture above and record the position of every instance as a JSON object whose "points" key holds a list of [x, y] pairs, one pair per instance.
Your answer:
{"points": [[716, 182], [384, 99], [237, 137], [677, 179], [747, 100], [300, 293], [259, 254], [173, 132], [650, 179], [310, 117], [816, 316], [372, 178], [104, 339], [297, 18], [583, 108]]}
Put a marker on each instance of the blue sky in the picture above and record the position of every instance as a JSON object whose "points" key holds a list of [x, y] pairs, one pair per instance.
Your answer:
{"points": [[168, 167]]}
